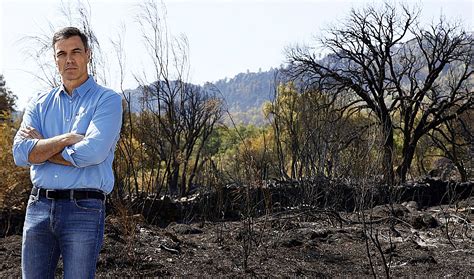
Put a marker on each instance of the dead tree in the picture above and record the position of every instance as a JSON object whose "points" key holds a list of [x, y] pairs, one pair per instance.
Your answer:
{"points": [[38, 46], [455, 138], [179, 117], [409, 85]]}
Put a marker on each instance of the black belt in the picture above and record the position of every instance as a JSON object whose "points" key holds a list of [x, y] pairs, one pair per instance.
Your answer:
{"points": [[67, 194]]}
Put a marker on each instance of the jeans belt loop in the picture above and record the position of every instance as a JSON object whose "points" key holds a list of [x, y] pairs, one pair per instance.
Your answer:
{"points": [[47, 194], [37, 193], [71, 195]]}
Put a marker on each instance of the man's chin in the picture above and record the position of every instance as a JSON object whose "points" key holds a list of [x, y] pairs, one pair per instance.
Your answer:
{"points": [[70, 76], [73, 77]]}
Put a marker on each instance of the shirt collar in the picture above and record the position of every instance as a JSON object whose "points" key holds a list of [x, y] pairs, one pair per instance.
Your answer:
{"points": [[82, 89]]}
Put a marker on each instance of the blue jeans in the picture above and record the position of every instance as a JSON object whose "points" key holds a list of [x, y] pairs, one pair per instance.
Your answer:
{"points": [[71, 228]]}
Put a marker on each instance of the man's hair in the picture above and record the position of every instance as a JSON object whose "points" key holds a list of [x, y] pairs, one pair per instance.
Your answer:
{"points": [[68, 32]]}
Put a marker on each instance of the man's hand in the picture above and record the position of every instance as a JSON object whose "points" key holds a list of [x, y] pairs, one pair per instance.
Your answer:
{"points": [[29, 133], [72, 138], [67, 139], [58, 159], [49, 149]]}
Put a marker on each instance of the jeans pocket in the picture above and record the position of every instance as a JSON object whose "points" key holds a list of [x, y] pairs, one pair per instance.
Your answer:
{"points": [[32, 200], [94, 205]]}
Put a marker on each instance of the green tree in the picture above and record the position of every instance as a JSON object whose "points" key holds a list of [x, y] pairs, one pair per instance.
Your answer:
{"points": [[286, 122], [7, 99], [314, 133]]}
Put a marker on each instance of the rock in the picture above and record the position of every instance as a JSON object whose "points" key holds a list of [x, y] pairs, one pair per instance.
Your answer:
{"points": [[445, 169], [412, 206], [291, 242], [423, 259], [320, 234], [386, 210], [432, 191], [424, 221], [183, 229]]}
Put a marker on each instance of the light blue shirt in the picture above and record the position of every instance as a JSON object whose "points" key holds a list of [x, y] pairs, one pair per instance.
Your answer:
{"points": [[93, 111]]}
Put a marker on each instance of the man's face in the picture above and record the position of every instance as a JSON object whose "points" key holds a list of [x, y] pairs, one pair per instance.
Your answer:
{"points": [[71, 59]]}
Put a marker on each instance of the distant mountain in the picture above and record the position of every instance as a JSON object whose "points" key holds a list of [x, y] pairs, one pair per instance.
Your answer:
{"points": [[243, 95], [248, 90]]}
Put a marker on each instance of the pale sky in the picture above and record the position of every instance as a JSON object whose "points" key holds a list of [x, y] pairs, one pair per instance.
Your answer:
{"points": [[225, 37]]}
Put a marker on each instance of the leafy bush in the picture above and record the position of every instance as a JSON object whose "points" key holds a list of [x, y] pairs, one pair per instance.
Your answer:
{"points": [[15, 182]]}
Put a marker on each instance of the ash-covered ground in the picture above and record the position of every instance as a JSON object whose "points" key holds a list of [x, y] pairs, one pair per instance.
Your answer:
{"points": [[400, 240]]}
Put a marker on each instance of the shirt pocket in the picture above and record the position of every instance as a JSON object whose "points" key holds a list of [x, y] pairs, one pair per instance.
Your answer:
{"points": [[82, 120]]}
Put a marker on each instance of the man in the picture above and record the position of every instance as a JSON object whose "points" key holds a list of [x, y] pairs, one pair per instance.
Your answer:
{"points": [[68, 137]]}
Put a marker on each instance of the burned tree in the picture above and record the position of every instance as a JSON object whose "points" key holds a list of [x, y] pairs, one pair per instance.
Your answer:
{"points": [[411, 78], [38, 47], [455, 138], [177, 117]]}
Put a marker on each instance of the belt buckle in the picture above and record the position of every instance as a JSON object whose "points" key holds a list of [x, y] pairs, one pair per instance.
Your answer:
{"points": [[47, 194]]}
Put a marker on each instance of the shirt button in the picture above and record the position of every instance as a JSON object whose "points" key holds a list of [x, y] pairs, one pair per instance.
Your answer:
{"points": [[55, 176], [67, 119]]}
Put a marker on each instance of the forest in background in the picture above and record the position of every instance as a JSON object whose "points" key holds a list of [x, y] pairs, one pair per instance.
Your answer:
{"points": [[391, 104]]}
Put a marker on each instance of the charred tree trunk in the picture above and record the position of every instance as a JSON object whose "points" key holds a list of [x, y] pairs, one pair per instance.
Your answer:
{"points": [[389, 175]]}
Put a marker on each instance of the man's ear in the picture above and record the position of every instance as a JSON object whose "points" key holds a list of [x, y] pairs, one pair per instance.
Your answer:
{"points": [[89, 55]]}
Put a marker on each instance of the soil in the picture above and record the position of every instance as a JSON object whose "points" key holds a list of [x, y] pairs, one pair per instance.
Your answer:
{"points": [[430, 242]]}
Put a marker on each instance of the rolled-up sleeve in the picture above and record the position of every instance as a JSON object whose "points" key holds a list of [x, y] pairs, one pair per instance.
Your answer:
{"points": [[101, 135], [23, 146]]}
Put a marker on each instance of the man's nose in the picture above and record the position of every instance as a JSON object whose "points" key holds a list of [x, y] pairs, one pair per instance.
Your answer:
{"points": [[69, 59]]}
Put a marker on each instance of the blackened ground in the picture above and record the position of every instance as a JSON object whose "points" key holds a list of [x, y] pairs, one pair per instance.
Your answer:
{"points": [[431, 242]]}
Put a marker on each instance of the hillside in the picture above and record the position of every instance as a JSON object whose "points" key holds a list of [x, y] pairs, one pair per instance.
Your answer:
{"points": [[247, 90], [243, 95]]}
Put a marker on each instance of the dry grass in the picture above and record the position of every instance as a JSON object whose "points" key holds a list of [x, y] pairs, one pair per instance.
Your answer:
{"points": [[14, 181]]}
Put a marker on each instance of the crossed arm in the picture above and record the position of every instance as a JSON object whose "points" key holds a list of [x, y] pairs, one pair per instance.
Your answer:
{"points": [[70, 149], [49, 149]]}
